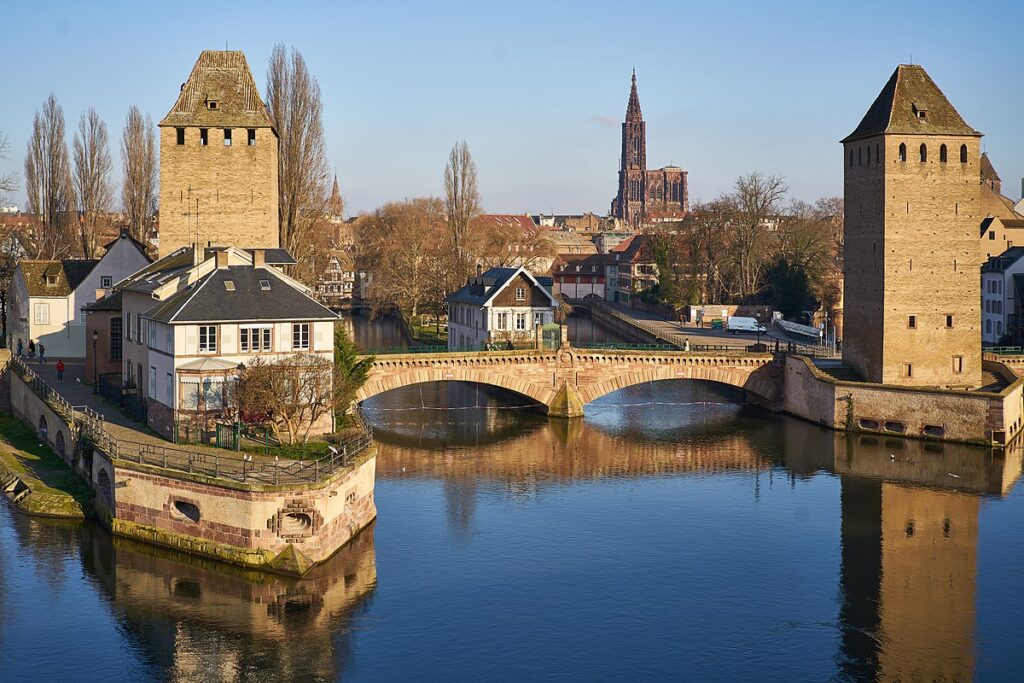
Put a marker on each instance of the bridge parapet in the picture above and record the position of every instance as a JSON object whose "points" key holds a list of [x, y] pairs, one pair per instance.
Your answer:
{"points": [[562, 381]]}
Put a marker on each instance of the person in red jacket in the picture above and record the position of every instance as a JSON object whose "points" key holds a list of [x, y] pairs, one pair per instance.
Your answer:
{"points": [[60, 370]]}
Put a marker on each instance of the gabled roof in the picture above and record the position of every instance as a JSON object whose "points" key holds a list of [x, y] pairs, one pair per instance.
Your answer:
{"points": [[68, 273], [245, 299], [148, 279], [589, 264], [490, 283], [222, 77], [897, 108], [274, 256], [508, 220], [125, 235]]}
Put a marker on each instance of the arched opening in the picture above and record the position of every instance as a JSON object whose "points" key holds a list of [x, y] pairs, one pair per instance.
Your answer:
{"points": [[43, 431], [942, 154], [59, 442], [296, 524], [860, 156], [851, 158], [186, 510], [924, 152], [903, 152], [963, 154]]}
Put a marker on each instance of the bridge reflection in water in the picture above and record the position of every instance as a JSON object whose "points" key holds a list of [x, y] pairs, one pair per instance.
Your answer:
{"points": [[908, 562], [909, 509]]}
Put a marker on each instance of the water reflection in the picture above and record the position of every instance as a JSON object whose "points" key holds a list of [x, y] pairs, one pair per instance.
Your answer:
{"points": [[892, 527], [201, 620], [909, 509]]}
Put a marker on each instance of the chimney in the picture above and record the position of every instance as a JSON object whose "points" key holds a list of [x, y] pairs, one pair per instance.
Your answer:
{"points": [[196, 260], [479, 270], [222, 259], [259, 258]]}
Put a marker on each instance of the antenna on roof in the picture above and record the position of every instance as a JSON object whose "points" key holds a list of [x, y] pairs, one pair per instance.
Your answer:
{"points": [[911, 57]]}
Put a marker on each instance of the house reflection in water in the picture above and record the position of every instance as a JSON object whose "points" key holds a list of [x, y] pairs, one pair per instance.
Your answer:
{"points": [[201, 620]]}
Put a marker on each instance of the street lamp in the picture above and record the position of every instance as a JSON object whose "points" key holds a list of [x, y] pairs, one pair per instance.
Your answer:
{"points": [[95, 364], [238, 410]]}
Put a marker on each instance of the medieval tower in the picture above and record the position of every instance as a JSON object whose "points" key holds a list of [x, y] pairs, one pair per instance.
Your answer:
{"points": [[645, 196], [912, 292], [218, 160]]}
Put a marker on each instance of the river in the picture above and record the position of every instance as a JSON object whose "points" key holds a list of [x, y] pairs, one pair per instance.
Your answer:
{"points": [[672, 534]]}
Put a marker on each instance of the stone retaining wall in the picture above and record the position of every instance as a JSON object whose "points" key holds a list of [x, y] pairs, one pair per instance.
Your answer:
{"points": [[964, 416]]}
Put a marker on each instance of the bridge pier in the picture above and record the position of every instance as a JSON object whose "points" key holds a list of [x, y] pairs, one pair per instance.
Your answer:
{"points": [[566, 403]]}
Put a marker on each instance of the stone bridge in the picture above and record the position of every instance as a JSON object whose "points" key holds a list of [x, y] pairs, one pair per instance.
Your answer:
{"points": [[563, 381]]}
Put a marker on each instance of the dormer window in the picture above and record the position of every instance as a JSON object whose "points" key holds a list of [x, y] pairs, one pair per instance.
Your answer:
{"points": [[51, 280], [265, 285], [213, 104], [919, 111]]}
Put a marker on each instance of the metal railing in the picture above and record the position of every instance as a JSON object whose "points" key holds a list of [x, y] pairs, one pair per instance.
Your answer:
{"points": [[240, 467], [1004, 350]]}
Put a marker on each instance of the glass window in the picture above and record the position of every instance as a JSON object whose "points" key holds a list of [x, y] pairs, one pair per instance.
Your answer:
{"points": [[189, 396], [300, 336], [116, 325], [213, 394], [106, 281], [42, 314], [520, 321], [254, 338], [520, 294], [207, 339]]}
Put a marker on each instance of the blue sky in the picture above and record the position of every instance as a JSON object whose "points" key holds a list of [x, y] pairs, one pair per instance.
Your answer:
{"points": [[537, 88]]}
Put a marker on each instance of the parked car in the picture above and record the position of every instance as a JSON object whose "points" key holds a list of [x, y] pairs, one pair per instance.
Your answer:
{"points": [[737, 324]]}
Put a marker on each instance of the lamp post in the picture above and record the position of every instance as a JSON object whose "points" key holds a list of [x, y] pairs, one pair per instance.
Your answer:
{"points": [[238, 410], [95, 364]]}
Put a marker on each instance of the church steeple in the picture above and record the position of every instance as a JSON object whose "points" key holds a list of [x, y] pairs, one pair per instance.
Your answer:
{"points": [[633, 108], [335, 205]]}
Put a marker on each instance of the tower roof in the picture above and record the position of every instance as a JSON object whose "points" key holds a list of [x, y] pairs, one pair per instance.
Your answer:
{"points": [[335, 205], [633, 108], [911, 104], [988, 171], [220, 91]]}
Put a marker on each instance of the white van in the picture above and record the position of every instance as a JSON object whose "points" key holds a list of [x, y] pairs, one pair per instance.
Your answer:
{"points": [[738, 323]]}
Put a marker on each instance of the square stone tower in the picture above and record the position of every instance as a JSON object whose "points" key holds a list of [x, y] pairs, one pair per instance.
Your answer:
{"points": [[218, 160], [912, 292]]}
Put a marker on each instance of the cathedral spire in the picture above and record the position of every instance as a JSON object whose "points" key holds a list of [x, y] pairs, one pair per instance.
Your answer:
{"points": [[633, 109]]}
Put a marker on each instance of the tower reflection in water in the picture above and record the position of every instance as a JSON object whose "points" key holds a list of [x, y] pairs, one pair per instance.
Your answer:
{"points": [[909, 509], [202, 620], [908, 530]]}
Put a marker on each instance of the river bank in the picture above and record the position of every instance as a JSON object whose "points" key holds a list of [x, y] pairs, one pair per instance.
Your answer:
{"points": [[34, 480]]}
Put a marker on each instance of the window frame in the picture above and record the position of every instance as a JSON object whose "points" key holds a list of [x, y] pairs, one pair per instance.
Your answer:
{"points": [[300, 330], [209, 344]]}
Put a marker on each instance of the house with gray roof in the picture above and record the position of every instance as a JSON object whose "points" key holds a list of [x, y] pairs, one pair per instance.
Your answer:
{"points": [[498, 308], [194, 319], [48, 299]]}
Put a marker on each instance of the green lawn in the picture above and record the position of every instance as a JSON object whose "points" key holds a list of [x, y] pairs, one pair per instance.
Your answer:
{"points": [[40, 468], [426, 334]]}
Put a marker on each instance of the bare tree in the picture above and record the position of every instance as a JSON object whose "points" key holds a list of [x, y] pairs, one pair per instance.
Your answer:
{"points": [[461, 199], [91, 178], [138, 157], [290, 395], [757, 200], [293, 99], [48, 183], [8, 183], [402, 244], [509, 244]]}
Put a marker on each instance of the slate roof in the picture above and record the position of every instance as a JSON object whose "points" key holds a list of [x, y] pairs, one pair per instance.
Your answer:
{"points": [[70, 273], [223, 77], [155, 274], [998, 264], [493, 281], [124, 234], [272, 256], [111, 302], [633, 108], [910, 89], [988, 171], [209, 300]]}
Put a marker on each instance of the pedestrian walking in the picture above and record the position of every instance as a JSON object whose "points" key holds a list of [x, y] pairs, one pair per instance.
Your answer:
{"points": [[60, 370], [42, 353], [21, 348], [31, 348]]}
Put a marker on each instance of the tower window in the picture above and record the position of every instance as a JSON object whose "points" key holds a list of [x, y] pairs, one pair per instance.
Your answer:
{"points": [[252, 137], [851, 158], [204, 137], [924, 152], [903, 152], [860, 155], [912, 322], [868, 152], [213, 104], [958, 364], [878, 153], [227, 137], [180, 135], [963, 154], [942, 154], [949, 321], [908, 370]]}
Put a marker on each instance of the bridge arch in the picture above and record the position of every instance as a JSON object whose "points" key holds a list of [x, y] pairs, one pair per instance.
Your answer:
{"points": [[503, 378], [737, 377]]}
